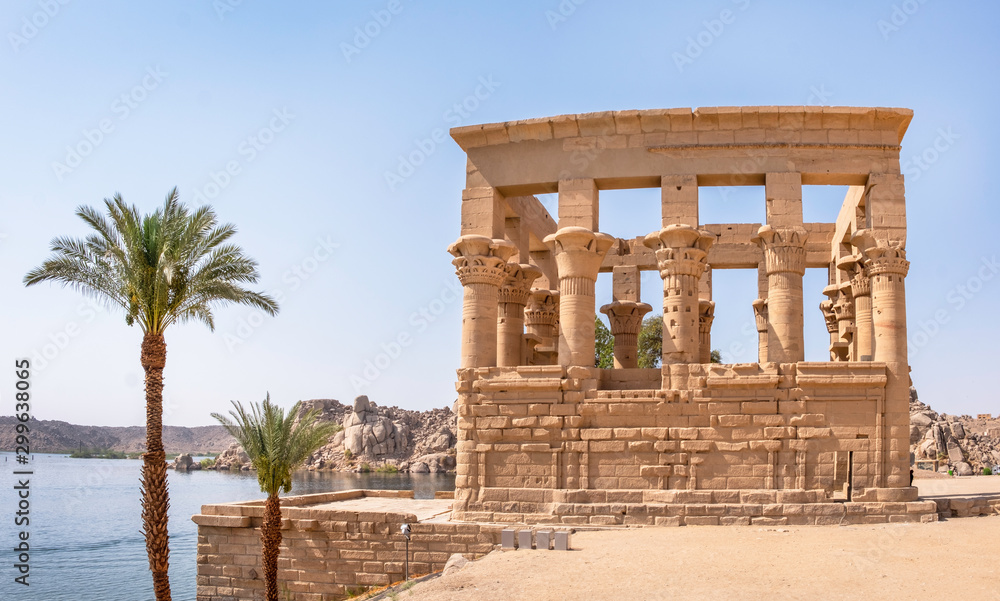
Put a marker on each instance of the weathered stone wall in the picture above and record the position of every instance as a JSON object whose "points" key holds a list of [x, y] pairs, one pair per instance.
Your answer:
{"points": [[548, 444], [325, 553]]}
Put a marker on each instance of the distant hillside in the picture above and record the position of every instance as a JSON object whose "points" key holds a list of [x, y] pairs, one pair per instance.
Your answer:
{"points": [[60, 437]]}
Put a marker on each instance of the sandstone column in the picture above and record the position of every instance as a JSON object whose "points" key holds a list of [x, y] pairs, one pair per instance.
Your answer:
{"points": [[855, 268], [481, 266], [760, 318], [706, 315], [579, 253], [785, 262], [681, 252], [887, 267], [513, 297], [626, 320]]}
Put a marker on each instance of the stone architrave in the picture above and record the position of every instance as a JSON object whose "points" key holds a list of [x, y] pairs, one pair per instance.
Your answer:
{"points": [[481, 265], [626, 321], [854, 266], [785, 264], [578, 252], [706, 315], [760, 320], [681, 253], [513, 296]]}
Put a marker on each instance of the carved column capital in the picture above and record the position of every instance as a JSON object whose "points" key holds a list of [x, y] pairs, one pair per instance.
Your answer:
{"points": [[844, 305], [784, 249], [854, 267], [625, 317], [481, 260], [829, 316], [760, 314], [706, 315], [681, 250], [578, 251], [516, 286]]}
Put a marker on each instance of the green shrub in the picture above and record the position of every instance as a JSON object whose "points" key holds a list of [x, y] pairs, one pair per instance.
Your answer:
{"points": [[348, 454], [388, 468], [207, 463], [987, 471], [365, 468]]}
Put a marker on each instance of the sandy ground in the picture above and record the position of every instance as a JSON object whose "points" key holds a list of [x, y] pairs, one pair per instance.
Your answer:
{"points": [[958, 558]]}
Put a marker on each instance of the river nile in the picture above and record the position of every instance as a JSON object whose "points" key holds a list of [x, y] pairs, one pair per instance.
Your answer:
{"points": [[86, 531]]}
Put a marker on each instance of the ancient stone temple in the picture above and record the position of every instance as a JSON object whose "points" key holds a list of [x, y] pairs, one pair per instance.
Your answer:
{"points": [[544, 436]]}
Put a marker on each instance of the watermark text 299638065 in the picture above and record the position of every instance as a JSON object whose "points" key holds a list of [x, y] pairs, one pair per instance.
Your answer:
{"points": [[22, 475]]}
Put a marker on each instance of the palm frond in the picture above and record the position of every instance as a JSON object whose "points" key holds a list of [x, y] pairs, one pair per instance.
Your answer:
{"points": [[275, 441], [169, 266]]}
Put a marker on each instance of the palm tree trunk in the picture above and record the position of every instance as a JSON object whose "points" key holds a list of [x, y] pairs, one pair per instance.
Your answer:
{"points": [[155, 502], [270, 538]]}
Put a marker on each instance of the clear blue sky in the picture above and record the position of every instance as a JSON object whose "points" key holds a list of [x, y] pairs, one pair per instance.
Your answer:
{"points": [[308, 115]]}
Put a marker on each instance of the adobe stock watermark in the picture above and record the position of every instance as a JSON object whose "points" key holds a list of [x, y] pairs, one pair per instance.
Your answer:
{"points": [[456, 115], [419, 321], [899, 17], [818, 96], [33, 24], [918, 164], [249, 149], [711, 31], [121, 109], [224, 7], [293, 278], [364, 34], [957, 298], [562, 12], [59, 340]]}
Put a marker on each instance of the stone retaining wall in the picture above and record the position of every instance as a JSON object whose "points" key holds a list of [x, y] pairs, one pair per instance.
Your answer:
{"points": [[325, 553]]}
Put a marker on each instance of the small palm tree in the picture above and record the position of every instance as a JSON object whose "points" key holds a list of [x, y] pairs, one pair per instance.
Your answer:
{"points": [[276, 444], [167, 267]]}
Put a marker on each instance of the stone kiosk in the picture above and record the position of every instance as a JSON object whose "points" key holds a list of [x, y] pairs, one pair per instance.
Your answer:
{"points": [[545, 437]]}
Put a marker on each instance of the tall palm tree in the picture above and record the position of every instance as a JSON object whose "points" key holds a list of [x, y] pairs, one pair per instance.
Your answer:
{"points": [[170, 266], [276, 443]]}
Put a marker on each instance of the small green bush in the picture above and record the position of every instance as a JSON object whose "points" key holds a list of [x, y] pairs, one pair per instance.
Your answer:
{"points": [[348, 454], [987, 471], [207, 463], [365, 468], [388, 468]]}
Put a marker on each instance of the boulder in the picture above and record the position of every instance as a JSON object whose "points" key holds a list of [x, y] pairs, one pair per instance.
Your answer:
{"points": [[963, 469], [419, 467], [184, 462], [455, 563], [370, 434], [957, 430], [232, 458]]}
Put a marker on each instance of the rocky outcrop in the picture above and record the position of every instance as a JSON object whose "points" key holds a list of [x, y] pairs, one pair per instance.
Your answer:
{"points": [[967, 444], [184, 463], [390, 437], [371, 435], [232, 459]]}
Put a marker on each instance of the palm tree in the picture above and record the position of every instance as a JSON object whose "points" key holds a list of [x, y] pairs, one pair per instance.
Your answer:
{"points": [[167, 267], [276, 444]]}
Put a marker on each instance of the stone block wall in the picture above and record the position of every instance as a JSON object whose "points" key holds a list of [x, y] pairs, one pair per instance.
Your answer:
{"points": [[325, 553], [547, 444]]}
